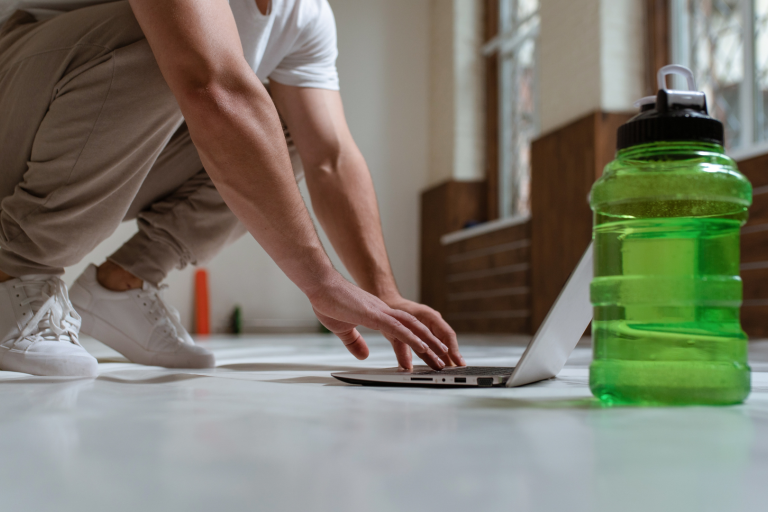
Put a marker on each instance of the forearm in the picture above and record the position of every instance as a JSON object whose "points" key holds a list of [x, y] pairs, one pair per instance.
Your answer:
{"points": [[242, 148], [345, 203]]}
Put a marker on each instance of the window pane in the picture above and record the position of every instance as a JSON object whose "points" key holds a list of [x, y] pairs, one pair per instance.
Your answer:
{"points": [[526, 8], [717, 60], [761, 69], [517, 115]]}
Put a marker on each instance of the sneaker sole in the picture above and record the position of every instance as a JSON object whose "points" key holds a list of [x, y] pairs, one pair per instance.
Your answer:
{"points": [[113, 338], [48, 366]]}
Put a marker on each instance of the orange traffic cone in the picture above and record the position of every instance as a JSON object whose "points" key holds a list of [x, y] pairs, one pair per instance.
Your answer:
{"points": [[202, 315]]}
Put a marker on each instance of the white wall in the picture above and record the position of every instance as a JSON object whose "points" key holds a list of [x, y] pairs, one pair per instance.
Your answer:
{"points": [[590, 58], [469, 100], [384, 69], [622, 53], [457, 118], [569, 61], [442, 88]]}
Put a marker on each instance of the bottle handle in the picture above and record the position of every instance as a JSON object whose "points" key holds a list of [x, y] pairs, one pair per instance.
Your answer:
{"points": [[675, 69]]}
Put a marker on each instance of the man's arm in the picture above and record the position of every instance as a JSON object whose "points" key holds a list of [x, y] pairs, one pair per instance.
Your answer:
{"points": [[237, 132], [343, 198]]}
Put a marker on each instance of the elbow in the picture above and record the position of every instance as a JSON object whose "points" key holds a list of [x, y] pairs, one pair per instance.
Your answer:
{"points": [[326, 164], [328, 167], [212, 95], [209, 101]]}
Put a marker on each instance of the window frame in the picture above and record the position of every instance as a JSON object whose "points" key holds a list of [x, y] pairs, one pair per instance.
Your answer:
{"points": [[498, 46], [680, 53]]}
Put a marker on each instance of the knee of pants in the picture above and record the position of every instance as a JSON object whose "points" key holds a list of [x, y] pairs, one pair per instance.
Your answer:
{"points": [[47, 253], [110, 25]]}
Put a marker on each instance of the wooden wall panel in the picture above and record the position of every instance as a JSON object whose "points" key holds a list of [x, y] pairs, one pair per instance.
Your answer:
{"points": [[513, 301], [753, 315], [512, 278], [492, 239], [503, 258], [492, 324], [563, 168], [488, 281], [754, 251], [754, 243], [758, 212], [755, 281], [756, 169], [657, 40], [564, 165], [445, 208]]}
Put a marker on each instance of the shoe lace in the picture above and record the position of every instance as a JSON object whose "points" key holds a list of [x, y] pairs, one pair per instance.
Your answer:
{"points": [[163, 313], [55, 318]]}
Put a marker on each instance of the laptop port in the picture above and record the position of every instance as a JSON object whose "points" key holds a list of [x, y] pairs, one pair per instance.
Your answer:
{"points": [[460, 380], [485, 381], [421, 378]]}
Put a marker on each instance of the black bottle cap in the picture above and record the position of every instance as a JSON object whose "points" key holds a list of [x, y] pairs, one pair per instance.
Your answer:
{"points": [[671, 116]]}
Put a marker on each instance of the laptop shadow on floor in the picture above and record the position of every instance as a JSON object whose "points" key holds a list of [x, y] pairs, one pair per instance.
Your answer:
{"points": [[327, 381], [285, 367], [295, 367], [537, 403]]}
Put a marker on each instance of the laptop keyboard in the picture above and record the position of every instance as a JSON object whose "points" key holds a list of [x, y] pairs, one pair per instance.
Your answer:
{"points": [[466, 370]]}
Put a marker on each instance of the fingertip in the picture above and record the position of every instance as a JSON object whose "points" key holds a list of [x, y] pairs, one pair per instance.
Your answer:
{"points": [[355, 344], [403, 355], [359, 349]]}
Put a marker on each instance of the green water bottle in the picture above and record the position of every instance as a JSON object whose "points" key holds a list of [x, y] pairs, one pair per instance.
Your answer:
{"points": [[666, 291]]}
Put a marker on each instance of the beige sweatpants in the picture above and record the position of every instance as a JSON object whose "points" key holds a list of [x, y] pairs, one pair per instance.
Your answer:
{"points": [[90, 136]]}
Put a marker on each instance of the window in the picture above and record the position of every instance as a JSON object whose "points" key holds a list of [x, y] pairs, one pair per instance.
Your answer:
{"points": [[725, 43], [514, 48]]}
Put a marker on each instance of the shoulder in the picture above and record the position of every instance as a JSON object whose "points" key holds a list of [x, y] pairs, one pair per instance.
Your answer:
{"points": [[309, 14], [311, 59]]}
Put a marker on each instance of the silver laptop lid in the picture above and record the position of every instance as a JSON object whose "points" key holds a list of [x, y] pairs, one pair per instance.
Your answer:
{"points": [[562, 329]]}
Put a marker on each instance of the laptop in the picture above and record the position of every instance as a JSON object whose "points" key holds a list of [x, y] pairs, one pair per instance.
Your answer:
{"points": [[543, 358]]}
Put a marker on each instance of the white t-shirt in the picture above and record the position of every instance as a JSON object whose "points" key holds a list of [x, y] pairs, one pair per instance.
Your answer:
{"points": [[294, 43]]}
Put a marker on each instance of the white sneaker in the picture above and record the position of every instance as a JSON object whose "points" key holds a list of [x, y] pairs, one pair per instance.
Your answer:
{"points": [[39, 328], [137, 323]]}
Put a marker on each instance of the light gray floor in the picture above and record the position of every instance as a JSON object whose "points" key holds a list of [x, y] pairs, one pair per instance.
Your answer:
{"points": [[270, 430]]}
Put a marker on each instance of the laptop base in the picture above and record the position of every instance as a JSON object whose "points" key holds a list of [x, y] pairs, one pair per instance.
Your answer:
{"points": [[423, 376]]}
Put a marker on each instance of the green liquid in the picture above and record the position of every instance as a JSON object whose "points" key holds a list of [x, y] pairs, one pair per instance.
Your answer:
{"points": [[666, 328]]}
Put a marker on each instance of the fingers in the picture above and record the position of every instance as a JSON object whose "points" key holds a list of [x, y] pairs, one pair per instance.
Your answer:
{"points": [[442, 330], [393, 328], [402, 353], [422, 331], [348, 335], [354, 343], [432, 360]]}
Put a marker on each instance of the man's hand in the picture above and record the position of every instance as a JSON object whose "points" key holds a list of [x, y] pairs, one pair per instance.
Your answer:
{"points": [[434, 321], [342, 306]]}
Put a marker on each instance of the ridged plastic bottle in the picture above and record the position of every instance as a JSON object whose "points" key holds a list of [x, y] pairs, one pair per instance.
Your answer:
{"points": [[667, 292]]}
